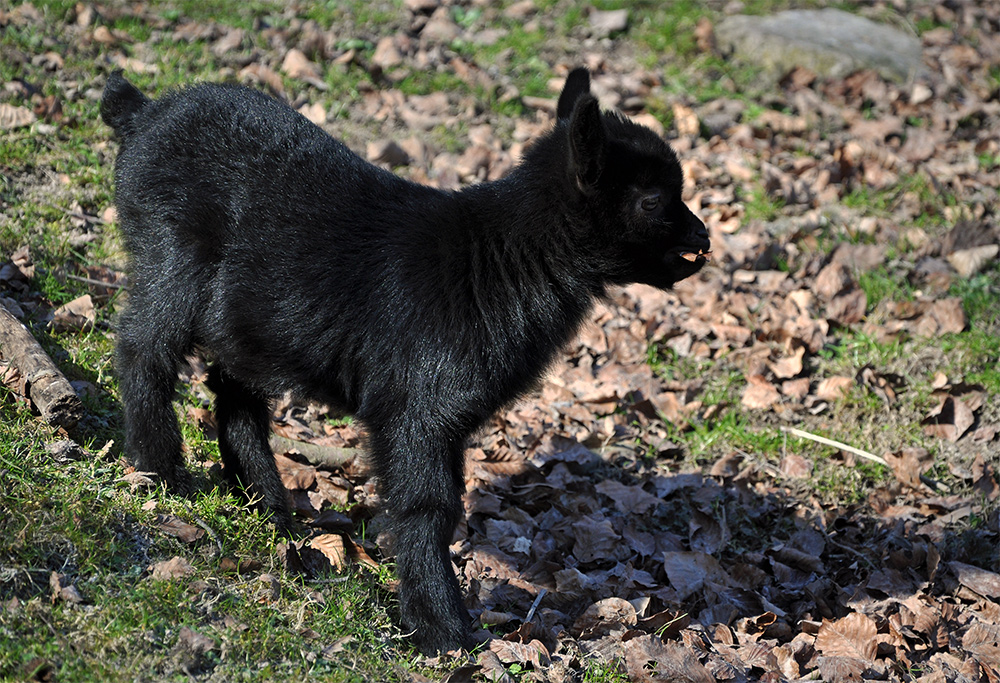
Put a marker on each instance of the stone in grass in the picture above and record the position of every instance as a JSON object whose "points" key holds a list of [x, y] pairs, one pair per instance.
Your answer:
{"points": [[832, 43]]}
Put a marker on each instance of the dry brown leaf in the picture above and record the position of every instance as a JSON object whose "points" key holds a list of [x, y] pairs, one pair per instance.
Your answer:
{"points": [[295, 475], [651, 660], [628, 499], [707, 533], [297, 65], [950, 420], [983, 640], [968, 262], [789, 366], [832, 280], [63, 589], [195, 641], [686, 121], [909, 463], [77, 315], [175, 568], [533, 653], [315, 112], [12, 117], [332, 546], [847, 308], [603, 616], [838, 669], [596, 539], [178, 528], [688, 571], [759, 394], [981, 581], [834, 388], [854, 636], [796, 467]]}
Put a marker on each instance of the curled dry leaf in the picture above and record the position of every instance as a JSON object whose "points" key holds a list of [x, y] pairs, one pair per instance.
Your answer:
{"points": [[533, 653], [981, 581], [63, 589], [605, 615]]}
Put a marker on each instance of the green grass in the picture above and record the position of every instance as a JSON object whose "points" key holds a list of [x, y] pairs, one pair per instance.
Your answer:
{"points": [[80, 520]]}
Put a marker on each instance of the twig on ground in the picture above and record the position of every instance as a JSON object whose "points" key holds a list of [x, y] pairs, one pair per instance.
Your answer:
{"points": [[534, 605], [96, 283], [211, 532]]}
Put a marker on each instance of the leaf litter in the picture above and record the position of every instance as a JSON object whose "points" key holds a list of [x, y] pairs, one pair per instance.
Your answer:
{"points": [[582, 537]]}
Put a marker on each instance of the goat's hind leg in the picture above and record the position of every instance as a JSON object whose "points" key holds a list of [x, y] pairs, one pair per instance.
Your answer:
{"points": [[244, 420]]}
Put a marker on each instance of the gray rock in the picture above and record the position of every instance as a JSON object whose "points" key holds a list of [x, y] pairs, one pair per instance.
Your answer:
{"points": [[830, 42]]}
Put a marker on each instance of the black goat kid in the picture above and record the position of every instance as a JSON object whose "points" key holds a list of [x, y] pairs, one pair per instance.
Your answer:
{"points": [[293, 264]]}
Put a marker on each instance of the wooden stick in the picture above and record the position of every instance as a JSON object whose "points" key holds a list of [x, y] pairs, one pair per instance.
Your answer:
{"points": [[836, 444], [924, 479], [45, 386]]}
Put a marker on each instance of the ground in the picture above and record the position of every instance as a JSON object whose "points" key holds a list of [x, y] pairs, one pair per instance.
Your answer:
{"points": [[659, 509]]}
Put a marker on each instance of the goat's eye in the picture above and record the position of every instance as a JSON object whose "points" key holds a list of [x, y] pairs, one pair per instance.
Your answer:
{"points": [[650, 203]]}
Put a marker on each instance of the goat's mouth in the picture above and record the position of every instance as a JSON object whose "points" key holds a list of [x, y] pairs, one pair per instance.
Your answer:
{"points": [[695, 256], [692, 254]]}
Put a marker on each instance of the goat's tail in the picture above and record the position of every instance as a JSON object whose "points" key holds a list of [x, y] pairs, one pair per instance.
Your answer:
{"points": [[120, 102]]}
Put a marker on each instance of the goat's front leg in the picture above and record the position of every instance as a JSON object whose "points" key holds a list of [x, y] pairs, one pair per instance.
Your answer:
{"points": [[421, 479]]}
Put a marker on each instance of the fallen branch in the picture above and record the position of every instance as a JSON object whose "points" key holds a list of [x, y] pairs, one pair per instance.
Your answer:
{"points": [[319, 456], [45, 386]]}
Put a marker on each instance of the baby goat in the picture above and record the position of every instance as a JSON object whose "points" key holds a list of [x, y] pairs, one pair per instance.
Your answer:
{"points": [[295, 265]]}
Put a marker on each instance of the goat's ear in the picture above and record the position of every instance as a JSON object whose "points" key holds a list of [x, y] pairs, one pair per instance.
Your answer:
{"points": [[586, 142], [577, 85]]}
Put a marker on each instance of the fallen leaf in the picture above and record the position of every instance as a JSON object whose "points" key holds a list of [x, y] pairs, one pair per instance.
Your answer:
{"points": [[178, 528], [834, 388], [981, 581], [949, 420], [195, 641], [759, 393], [853, 636], [63, 589], [796, 467], [333, 548], [12, 117], [77, 315], [175, 568], [968, 262], [688, 571], [651, 660], [909, 463], [295, 475]]}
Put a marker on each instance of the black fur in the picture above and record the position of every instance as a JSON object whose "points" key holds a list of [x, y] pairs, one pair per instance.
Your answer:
{"points": [[296, 265]]}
